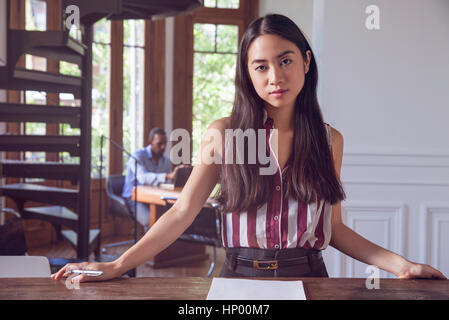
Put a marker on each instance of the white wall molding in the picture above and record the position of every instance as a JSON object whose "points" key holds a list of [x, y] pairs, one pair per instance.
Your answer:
{"points": [[434, 231], [396, 159], [393, 233], [409, 183], [396, 168], [397, 153]]}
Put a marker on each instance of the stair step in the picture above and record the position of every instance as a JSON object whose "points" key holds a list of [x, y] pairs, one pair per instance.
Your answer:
{"points": [[40, 143], [42, 194], [32, 80], [49, 77], [136, 9], [56, 45], [72, 237], [15, 112], [93, 11], [53, 214], [44, 170]]}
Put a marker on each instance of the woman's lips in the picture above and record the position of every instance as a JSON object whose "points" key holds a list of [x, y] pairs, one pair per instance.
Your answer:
{"points": [[278, 93]]}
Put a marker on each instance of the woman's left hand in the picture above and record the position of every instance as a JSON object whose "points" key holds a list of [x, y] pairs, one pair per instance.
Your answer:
{"points": [[417, 270]]}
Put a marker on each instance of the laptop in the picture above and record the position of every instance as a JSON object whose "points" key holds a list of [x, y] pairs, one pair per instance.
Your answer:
{"points": [[181, 177]]}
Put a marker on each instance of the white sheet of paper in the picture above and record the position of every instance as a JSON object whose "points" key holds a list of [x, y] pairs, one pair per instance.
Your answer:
{"points": [[247, 289]]}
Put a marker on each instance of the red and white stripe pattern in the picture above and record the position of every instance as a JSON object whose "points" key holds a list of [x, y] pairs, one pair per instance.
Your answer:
{"points": [[287, 223]]}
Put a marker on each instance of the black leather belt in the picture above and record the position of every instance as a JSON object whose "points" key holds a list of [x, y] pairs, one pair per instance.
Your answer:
{"points": [[274, 264]]}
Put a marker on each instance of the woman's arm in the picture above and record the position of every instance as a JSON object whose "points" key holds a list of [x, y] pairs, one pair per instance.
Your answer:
{"points": [[175, 221], [352, 244], [168, 227]]}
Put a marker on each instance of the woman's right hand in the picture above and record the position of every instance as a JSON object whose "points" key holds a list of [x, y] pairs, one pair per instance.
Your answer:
{"points": [[110, 271]]}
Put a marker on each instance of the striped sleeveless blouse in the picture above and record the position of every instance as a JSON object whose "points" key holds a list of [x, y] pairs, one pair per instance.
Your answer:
{"points": [[280, 223]]}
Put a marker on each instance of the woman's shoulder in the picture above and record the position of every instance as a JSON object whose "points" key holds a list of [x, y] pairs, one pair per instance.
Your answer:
{"points": [[221, 124], [336, 136], [336, 141]]}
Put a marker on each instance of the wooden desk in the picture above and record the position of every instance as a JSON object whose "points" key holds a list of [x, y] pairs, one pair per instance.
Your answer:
{"points": [[197, 289], [152, 196], [178, 252]]}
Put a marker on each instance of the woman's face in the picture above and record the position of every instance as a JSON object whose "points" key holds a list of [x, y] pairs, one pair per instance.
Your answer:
{"points": [[277, 69]]}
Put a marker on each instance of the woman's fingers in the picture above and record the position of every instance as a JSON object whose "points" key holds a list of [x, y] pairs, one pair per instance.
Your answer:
{"points": [[60, 272], [424, 271], [436, 274], [79, 278], [417, 270], [66, 270]]}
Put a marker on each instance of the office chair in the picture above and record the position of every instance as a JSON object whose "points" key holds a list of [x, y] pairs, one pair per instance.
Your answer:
{"points": [[12, 235], [118, 207], [205, 229]]}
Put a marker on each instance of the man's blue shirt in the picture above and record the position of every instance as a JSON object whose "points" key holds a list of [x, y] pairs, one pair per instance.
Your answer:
{"points": [[148, 172]]}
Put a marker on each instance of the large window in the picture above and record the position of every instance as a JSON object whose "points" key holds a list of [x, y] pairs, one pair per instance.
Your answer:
{"points": [[35, 19], [204, 81], [133, 76], [35, 15], [225, 4], [101, 49], [215, 56]]}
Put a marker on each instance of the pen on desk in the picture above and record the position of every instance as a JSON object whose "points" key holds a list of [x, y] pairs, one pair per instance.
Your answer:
{"points": [[92, 273]]}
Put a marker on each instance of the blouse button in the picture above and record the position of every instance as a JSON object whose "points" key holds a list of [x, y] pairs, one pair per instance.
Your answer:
{"points": [[276, 246], [278, 188], [276, 218]]}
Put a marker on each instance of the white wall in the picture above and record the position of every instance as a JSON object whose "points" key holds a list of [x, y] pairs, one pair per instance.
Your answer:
{"points": [[300, 11], [394, 80], [387, 92]]}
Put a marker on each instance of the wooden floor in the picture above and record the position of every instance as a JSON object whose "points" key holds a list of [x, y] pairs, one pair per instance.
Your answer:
{"points": [[193, 269]]}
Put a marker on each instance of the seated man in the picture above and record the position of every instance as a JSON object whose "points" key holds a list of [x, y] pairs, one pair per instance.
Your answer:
{"points": [[154, 168]]}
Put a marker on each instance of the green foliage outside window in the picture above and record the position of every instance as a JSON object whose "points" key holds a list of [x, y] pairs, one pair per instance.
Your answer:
{"points": [[133, 86], [224, 4], [215, 59], [100, 93]]}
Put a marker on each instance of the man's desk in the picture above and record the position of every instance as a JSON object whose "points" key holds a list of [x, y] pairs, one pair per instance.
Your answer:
{"points": [[198, 288], [152, 196], [180, 251]]}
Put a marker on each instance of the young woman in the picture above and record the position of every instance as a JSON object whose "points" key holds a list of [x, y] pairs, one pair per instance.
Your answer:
{"points": [[273, 225]]}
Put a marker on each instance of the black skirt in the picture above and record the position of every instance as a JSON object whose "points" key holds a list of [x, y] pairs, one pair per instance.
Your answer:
{"points": [[292, 262]]}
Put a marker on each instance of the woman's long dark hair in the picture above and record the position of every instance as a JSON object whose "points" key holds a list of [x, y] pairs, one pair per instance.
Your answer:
{"points": [[311, 173]]}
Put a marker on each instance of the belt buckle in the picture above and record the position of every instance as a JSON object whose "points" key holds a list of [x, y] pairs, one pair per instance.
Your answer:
{"points": [[270, 264]]}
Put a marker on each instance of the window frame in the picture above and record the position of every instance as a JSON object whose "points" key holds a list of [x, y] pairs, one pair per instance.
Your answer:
{"points": [[154, 86], [184, 52]]}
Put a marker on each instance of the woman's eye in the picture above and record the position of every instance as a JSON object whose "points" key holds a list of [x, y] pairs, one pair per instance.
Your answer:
{"points": [[286, 61], [260, 68]]}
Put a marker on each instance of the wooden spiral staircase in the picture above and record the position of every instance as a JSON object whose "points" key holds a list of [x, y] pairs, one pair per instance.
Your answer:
{"points": [[62, 207]]}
